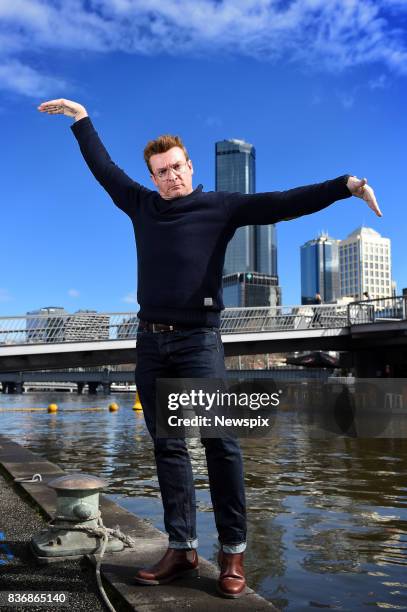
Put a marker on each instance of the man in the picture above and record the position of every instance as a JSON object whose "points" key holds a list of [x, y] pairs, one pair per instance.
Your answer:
{"points": [[181, 235], [317, 312], [369, 307]]}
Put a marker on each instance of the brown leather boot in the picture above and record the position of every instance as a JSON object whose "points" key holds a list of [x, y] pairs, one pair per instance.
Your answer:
{"points": [[174, 564], [232, 582]]}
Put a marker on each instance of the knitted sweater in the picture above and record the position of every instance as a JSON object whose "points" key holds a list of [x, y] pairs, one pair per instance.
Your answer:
{"points": [[181, 242]]}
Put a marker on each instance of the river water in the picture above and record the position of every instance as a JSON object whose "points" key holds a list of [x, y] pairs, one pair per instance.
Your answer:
{"points": [[327, 515]]}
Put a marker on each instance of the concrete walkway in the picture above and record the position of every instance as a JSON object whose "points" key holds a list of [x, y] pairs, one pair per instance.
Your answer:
{"points": [[20, 519]]}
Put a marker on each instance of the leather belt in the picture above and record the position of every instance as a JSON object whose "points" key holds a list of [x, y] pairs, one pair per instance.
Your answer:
{"points": [[160, 327]]}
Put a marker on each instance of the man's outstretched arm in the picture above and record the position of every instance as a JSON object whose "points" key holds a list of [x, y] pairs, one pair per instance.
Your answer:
{"points": [[271, 207], [121, 188]]}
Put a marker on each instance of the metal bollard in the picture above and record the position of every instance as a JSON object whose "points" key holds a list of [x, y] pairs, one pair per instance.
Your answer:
{"points": [[76, 529]]}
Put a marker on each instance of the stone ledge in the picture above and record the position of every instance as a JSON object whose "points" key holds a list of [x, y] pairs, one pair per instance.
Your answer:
{"points": [[118, 569]]}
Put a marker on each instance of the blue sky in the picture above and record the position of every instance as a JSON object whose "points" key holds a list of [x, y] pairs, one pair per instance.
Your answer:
{"points": [[318, 86]]}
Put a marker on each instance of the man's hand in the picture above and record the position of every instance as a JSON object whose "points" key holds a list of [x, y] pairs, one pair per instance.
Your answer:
{"points": [[360, 189], [63, 107]]}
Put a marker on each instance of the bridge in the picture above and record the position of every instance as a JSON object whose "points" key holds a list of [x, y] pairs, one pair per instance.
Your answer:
{"points": [[372, 333]]}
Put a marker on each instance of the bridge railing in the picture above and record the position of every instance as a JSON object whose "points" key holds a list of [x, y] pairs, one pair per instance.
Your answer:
{"points": [[378, 310], [78, 327], [283, 318], [98, 326]]}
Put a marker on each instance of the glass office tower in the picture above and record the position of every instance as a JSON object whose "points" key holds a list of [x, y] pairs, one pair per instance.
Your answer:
{"points": [[320, 269], [253, 248], [266, 249], [251, 289], [235, 166], [236, 171]]}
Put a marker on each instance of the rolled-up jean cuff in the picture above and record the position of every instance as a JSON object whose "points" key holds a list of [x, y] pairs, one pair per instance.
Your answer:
{"points": [[187, 545], [234, 548]]}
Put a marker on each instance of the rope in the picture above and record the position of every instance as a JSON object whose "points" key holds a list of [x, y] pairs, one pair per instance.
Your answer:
{"points": [[34, 478], [103, 533], [100, 531]]}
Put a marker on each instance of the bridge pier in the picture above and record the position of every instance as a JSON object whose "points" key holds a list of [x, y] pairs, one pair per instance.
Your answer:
{"points": [[80, 386], [106, 388], [92, 388], [10, 387]]}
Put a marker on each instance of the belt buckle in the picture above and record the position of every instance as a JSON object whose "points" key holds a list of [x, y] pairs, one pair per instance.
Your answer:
{"points": [[157, 325]]}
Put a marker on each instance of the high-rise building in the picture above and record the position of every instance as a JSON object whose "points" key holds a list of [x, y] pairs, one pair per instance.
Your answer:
{"points": [[235, 166], [251, 289], [365, 264], [235, 170], [266, 249], [320, 269], [252, 249]]}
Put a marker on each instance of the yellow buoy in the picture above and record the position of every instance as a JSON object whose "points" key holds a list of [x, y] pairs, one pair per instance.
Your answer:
{"points": [[53, 408], [113, 407], [137, 403]]}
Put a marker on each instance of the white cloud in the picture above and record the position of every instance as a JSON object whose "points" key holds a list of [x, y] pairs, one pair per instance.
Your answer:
{"points": [[5, 295], [322, 34], [130, 298], [73, 293], [23, 79], [381, 82]]}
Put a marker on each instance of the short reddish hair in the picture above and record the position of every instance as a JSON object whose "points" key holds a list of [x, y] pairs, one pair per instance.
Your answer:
{"points": [[162, 144]]}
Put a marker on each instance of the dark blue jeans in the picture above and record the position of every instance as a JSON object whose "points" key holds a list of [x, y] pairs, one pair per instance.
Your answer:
{"points": [[194, 353]]}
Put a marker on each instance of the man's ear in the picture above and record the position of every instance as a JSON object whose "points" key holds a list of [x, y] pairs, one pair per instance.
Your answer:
{"points": [[154, 179], [191, 166]]}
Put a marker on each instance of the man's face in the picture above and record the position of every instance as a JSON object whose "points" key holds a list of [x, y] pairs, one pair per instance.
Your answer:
{"points": [[172, 173]]}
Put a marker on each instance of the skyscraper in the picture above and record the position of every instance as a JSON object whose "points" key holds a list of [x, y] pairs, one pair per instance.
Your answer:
{"points": [[320, 269], [266, 249], [253, 248], [365, 264], [235, 166], [236, 171], [251, 289]]}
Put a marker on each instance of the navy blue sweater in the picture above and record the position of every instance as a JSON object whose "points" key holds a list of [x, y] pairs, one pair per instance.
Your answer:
{"points": [[181, 243]]}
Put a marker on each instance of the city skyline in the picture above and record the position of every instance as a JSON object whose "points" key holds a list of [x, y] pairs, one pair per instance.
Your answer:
{"points": [[315, 260], [315, 96], [350, 267], [324, 264]]}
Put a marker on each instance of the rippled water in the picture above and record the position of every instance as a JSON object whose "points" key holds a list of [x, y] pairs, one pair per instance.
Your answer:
{"points": [[327, 517]]}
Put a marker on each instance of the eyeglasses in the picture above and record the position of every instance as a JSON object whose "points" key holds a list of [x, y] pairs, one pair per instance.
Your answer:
{"points": [[178, 168]]}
